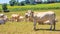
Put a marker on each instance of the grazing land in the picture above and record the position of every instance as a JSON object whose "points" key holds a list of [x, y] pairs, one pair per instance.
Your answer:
{"points": [[27, 27], [34, 7]]}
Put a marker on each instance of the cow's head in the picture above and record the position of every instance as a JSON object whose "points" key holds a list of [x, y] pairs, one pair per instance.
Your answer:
{"points": [[29, 13], [2, 15]]}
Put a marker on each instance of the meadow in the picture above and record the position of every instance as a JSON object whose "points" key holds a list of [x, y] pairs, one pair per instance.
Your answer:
{"points": [[33, 7], [27, 27]]}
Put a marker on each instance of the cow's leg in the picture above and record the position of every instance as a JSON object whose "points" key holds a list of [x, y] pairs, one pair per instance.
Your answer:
{"points": [[51, 27], [54, 25], [34, 24]]}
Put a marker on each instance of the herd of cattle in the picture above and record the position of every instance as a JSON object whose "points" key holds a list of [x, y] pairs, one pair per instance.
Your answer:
{"points": [[48, 17]]}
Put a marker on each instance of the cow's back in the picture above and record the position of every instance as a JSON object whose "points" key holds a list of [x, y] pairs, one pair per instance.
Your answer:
{"points": [[42, 17]]}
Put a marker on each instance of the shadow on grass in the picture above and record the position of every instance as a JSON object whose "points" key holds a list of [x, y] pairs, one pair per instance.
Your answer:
{"points": [[47, 29]]}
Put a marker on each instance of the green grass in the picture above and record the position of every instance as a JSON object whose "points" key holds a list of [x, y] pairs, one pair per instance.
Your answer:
{"points": [[27, 27], [34, 7]]}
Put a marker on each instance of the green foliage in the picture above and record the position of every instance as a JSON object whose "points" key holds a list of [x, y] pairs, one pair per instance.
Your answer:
{"points": [[35, 7], [13, 2], [4, 7], [22, 3]]}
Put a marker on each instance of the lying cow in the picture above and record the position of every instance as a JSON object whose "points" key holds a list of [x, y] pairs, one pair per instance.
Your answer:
{"points": [[15, 17], [21, 18], [3, 18], [42, 18]]}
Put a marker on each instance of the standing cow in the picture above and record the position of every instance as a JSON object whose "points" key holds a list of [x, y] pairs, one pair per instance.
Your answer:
{"points": [[42, 18]]}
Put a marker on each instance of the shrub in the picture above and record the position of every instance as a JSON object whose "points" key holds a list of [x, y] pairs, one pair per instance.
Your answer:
{"points": [[4, 7]]}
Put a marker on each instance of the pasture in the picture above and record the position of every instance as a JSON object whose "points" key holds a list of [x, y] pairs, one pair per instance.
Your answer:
{"points": [[27, 27], [33, 7]]}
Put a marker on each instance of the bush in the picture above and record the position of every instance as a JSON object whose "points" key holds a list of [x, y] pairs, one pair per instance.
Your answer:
{"points": [[4, 7]]}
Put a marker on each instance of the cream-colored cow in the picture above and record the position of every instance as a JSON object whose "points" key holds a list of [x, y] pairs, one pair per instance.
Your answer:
{"points": [[42, 17], [15, 17]]}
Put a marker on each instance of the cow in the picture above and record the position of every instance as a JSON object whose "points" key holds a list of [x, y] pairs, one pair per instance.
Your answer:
{"points": [[1, 15], [15, 17], [27, 16], [42, 18], [3, 18], [21, 18]]}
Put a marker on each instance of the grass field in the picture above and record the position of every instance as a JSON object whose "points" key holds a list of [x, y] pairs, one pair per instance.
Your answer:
{"points": [[27, 27], [34, 7]]}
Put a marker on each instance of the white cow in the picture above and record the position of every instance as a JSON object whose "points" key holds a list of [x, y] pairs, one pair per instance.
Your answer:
{"points": [[1, 15], [42, 18], [27, 16]]}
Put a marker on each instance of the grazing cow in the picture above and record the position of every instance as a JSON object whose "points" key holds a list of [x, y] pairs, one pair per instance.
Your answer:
{"points": [[42, 18], [15, 17]]}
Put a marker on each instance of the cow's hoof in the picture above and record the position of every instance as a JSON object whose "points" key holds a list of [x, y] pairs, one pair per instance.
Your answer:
{"points": [[53, 29], [34, 28], [50, 29], [0, 23]]}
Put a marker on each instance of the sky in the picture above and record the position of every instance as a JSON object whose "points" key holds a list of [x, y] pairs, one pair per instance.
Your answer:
{"points": [[7, 1]]}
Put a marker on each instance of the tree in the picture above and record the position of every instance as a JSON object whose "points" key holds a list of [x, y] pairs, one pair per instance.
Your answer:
{"points": [[17, 2], [27, 1], [12, 2], [32, 2]]}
